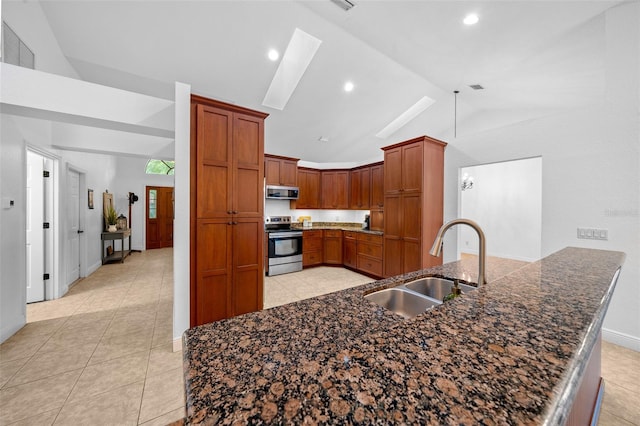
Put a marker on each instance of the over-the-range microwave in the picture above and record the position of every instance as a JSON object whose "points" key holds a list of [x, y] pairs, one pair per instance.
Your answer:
{"points": [[275, 192]]}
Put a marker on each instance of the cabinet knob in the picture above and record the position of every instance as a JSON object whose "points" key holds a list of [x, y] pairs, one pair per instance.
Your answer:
{"points": [[235, 212], [235, 223], [229, 212], [229, 223]]}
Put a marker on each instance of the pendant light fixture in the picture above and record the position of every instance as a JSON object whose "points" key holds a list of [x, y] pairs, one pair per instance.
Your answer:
{"points": [[455, 113]]}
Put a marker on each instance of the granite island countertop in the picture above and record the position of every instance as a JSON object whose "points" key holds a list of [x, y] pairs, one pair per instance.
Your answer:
{"points": [[506, 353]]}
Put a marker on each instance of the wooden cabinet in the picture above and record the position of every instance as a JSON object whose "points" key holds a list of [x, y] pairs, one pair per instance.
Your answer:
{"points": [[281, 171], [227, 230], [332, 247], [369, 254], [377, 186], [309, 189], [413, 203], [349, 253], [312, 248], [335, 189], [360, 188]]}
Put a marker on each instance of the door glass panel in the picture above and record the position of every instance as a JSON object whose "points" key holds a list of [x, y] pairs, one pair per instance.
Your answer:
{"points": [[153, 195]]}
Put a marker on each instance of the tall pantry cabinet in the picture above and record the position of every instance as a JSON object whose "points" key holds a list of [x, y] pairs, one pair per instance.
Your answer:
{"points": [[413, 203], [227, 196]]}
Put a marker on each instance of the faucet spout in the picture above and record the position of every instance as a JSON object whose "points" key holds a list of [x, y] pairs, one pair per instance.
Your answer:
{"points": [[437, 245]]}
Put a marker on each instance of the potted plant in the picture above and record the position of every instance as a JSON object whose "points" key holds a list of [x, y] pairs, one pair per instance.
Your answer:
{"points": [[112, 219]]}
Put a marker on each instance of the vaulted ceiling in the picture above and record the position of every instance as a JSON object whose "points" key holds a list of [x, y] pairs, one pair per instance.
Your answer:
{"points": [[532, 57]]}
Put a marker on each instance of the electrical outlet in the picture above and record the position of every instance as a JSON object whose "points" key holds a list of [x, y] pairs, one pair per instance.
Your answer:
{"points": [[593, 234]]}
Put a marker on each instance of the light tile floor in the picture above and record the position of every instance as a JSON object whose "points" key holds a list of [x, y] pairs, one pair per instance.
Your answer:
{"points": [[102, 354]]}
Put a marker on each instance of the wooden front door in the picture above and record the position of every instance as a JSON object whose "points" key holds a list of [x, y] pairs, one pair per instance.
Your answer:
{"points": [[159, 217]]}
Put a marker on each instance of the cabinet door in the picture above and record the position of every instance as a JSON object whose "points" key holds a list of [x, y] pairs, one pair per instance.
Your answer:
{"points": [[288, 173], [327, 185], [365, 188], [214, 161], [213, 270], [412, 167], [377, 187], [393, 233], [248, 166], [393, 170], [272, 171], [247, 265], [355, 189], [333, 250], [349, 257], [309, 187], [335, 189]]}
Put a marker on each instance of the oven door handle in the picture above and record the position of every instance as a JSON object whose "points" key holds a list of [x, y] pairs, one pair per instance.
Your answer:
{"points": [[286, 235]]}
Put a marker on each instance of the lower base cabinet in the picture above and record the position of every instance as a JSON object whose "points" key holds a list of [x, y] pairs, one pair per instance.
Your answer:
{"points": [[332, 247], [369, 252], [356, 250], [312, 248], [349, 253]]}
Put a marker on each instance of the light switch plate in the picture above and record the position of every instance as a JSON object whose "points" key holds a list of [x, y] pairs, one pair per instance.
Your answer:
{"points": [[593, 234]]}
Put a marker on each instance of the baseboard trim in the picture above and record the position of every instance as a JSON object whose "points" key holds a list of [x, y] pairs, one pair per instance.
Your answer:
{"points": [[92, 268], [621, 339], [177, 344]]}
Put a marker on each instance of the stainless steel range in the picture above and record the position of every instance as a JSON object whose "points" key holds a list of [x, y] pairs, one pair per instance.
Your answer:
{"points": [[285, 245]]}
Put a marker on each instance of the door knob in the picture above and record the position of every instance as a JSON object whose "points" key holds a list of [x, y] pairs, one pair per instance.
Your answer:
{"points": [[80, 231]]}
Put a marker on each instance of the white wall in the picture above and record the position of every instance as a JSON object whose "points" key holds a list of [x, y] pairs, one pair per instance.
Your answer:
{"points": [[590, 172], [131, 177], [281, 208], [12, 230], [506, 201]]}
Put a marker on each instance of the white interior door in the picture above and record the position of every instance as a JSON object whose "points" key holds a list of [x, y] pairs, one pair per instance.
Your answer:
{"points": [[73, 226], [35, 231]]}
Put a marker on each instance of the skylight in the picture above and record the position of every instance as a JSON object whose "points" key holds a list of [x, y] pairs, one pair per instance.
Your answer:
{"points": [[406, 117], [300, 51]]}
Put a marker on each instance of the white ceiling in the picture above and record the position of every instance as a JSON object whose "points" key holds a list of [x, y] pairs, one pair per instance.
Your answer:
{"points": [[531, 56]]}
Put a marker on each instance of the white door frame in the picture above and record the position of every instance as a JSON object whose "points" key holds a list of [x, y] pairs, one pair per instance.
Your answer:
{"points": [[52, 245]]}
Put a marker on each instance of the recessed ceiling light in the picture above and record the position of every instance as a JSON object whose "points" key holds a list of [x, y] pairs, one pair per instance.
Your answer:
{"points": [[273, 55], [424, 103], [348, 86], [471, 19]]}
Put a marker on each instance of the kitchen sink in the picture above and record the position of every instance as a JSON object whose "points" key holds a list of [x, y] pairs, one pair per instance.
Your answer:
{"points": [[402, 302], [415, 297], [436, 288]]}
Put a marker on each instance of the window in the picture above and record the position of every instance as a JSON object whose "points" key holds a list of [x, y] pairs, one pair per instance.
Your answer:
{"points": [[14, 51], [160, 167], [153, 204]]}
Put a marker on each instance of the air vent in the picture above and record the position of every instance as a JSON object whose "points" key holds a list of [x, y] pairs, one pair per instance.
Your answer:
{"points": [[344, 4], [476, 87]]}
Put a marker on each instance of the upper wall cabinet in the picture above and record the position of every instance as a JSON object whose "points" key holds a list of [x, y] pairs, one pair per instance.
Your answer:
{"points": [[281, 171], [377, 186], [360, 188], [309, 189], [335, 189]]}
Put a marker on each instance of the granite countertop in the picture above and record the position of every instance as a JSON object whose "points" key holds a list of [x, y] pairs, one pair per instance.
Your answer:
{"points": [[506, 353], [343, 226]]}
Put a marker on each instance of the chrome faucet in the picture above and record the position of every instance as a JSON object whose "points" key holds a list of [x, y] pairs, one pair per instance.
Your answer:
{"points": [[437, 245]]}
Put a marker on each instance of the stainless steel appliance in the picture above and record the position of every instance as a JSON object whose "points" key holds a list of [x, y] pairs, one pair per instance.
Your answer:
{"points": [[281, 192], [284, 245]]}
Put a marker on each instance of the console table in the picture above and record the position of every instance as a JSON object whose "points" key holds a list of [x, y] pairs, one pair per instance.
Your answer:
{"points": [[120, 254]]}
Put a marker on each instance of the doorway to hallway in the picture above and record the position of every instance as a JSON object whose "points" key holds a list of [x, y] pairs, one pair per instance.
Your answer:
{"points": [[159, 217]]}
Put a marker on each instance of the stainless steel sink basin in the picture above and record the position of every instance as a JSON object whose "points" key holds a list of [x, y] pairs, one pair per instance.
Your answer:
{"points": [[402, 302], [436, 288]]}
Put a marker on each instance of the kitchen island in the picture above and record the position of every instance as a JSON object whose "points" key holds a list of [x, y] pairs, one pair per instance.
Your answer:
{"points": [[512, 352]]}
